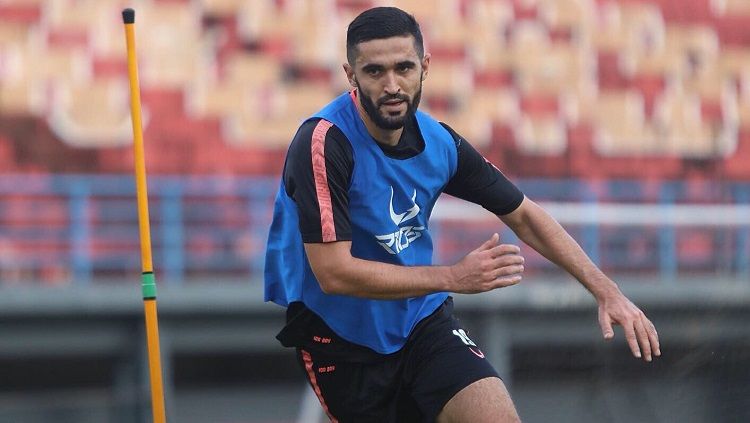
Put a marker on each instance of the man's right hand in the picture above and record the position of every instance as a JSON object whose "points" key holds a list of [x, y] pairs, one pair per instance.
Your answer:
{"points": [[489, 267]]}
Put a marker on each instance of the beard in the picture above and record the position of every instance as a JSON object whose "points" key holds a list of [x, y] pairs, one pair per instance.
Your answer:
{"points": [[386, 121]]}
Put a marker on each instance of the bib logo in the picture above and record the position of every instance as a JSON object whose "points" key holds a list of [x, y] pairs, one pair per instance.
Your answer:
{"points": [[461, 334], [399, 240]]}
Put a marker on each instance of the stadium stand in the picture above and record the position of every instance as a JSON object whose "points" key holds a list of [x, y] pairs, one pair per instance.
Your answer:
{"points": [[629, 120], [238, 62], [591, 90]]}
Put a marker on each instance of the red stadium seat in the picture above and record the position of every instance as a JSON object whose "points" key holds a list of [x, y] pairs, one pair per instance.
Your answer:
{"points": [[94, 115], [220, 68]]}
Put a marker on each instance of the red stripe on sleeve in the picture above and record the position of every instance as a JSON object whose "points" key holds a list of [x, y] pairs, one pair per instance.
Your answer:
{"points": [[321, 180], [314, 381]]}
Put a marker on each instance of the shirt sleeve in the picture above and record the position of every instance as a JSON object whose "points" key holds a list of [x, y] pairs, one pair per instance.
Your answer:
{"points": [[480, 182], [317, 175]]}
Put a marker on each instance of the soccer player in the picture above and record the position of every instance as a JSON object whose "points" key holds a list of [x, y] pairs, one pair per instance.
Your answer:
{"points": [[349, 251]]}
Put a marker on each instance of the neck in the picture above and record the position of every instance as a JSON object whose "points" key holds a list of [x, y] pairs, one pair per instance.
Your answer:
{"points": [[388, 137]]}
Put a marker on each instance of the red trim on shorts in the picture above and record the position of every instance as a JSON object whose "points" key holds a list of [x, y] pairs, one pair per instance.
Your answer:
{"points": [[311, 374], [321, 180]]}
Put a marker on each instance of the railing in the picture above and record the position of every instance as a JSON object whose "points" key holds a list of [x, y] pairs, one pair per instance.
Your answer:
{"points": [[80, 228], [60, 229]]}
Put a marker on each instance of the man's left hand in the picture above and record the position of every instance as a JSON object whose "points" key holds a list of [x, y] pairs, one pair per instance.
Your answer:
{"points": [[639, 331]]}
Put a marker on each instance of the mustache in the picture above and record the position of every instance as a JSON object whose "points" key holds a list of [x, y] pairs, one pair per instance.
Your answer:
{"points": [[400, 97]]}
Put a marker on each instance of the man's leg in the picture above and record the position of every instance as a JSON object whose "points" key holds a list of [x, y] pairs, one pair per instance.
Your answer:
{"points": [[484, 401]]}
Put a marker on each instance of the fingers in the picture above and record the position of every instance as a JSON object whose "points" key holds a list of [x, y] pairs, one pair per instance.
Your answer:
{"points": [[643, 340], [489, 244], [653, 337], [491, 266], [507, 260], [640, 335], [606, 324], [506, 281], [632, 340], [503, 249], [510, 270], [508, 267]]}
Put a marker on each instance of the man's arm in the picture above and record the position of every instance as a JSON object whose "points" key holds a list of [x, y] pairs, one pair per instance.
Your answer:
{"points": [[544, 234], [490, 266]]}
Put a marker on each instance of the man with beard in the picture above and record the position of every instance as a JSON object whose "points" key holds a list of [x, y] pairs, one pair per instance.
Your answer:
{"points": [[350, 255]]}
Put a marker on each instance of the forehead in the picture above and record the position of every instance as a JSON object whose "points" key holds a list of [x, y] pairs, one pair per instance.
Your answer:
{"points": [[386, 51]]}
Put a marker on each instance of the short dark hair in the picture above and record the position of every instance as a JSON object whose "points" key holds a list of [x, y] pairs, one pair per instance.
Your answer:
{"points": [[378, 23]]}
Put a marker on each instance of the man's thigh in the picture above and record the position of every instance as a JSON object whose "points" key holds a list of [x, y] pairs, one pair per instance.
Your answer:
{"points": [[486, 400], [442, 361]]}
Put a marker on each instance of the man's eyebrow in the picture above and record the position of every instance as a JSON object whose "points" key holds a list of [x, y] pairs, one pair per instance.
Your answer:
{"points": [[406, 64], [372, 67], [376, 67]]}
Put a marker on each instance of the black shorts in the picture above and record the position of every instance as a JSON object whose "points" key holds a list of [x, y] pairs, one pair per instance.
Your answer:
{"points": [[355, 384]]}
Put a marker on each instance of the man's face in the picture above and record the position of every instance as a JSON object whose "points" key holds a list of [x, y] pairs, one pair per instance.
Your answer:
{"points": [[388, 74]]}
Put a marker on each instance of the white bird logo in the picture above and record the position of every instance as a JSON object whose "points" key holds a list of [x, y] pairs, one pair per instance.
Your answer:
{"points": [[399, 218], [397, 241]]}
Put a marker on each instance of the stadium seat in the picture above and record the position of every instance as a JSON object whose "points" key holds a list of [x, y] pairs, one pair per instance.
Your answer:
{"points": [[489, 16], [291, 104], [730, 7], [574, 18], [317, 45], [223, 98], [230, 61], [21, 97], [299, 100], [259, 20], [426, 11], [528, 37], [253, 70], [45, 64], [656, 54], [13, 34], [734, 62], [449, 80], [735, 166], [259, 133], [678, 116], [620, 127], [490, 55], [473, 116], [224, 8], [93, 115], [610, 33], [21, 11], [541, 135], [448, 36], [282, 28], [237, 87], [561, 68], [699, 42], [79, 14], [170, 47], [743, 111]]}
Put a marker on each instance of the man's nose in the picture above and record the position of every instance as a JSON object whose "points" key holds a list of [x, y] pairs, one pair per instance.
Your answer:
{"points": [[391, 84]]}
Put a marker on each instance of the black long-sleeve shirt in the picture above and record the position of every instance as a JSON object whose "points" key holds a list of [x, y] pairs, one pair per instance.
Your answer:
{"points": [[476, 180]]}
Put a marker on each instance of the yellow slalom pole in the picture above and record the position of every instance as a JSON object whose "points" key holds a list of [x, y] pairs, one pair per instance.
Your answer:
{"points": [[148, 285]]}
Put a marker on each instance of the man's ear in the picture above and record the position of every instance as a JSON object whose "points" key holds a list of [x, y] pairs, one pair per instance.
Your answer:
{"points": [[426, 65], [350, 75]]}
